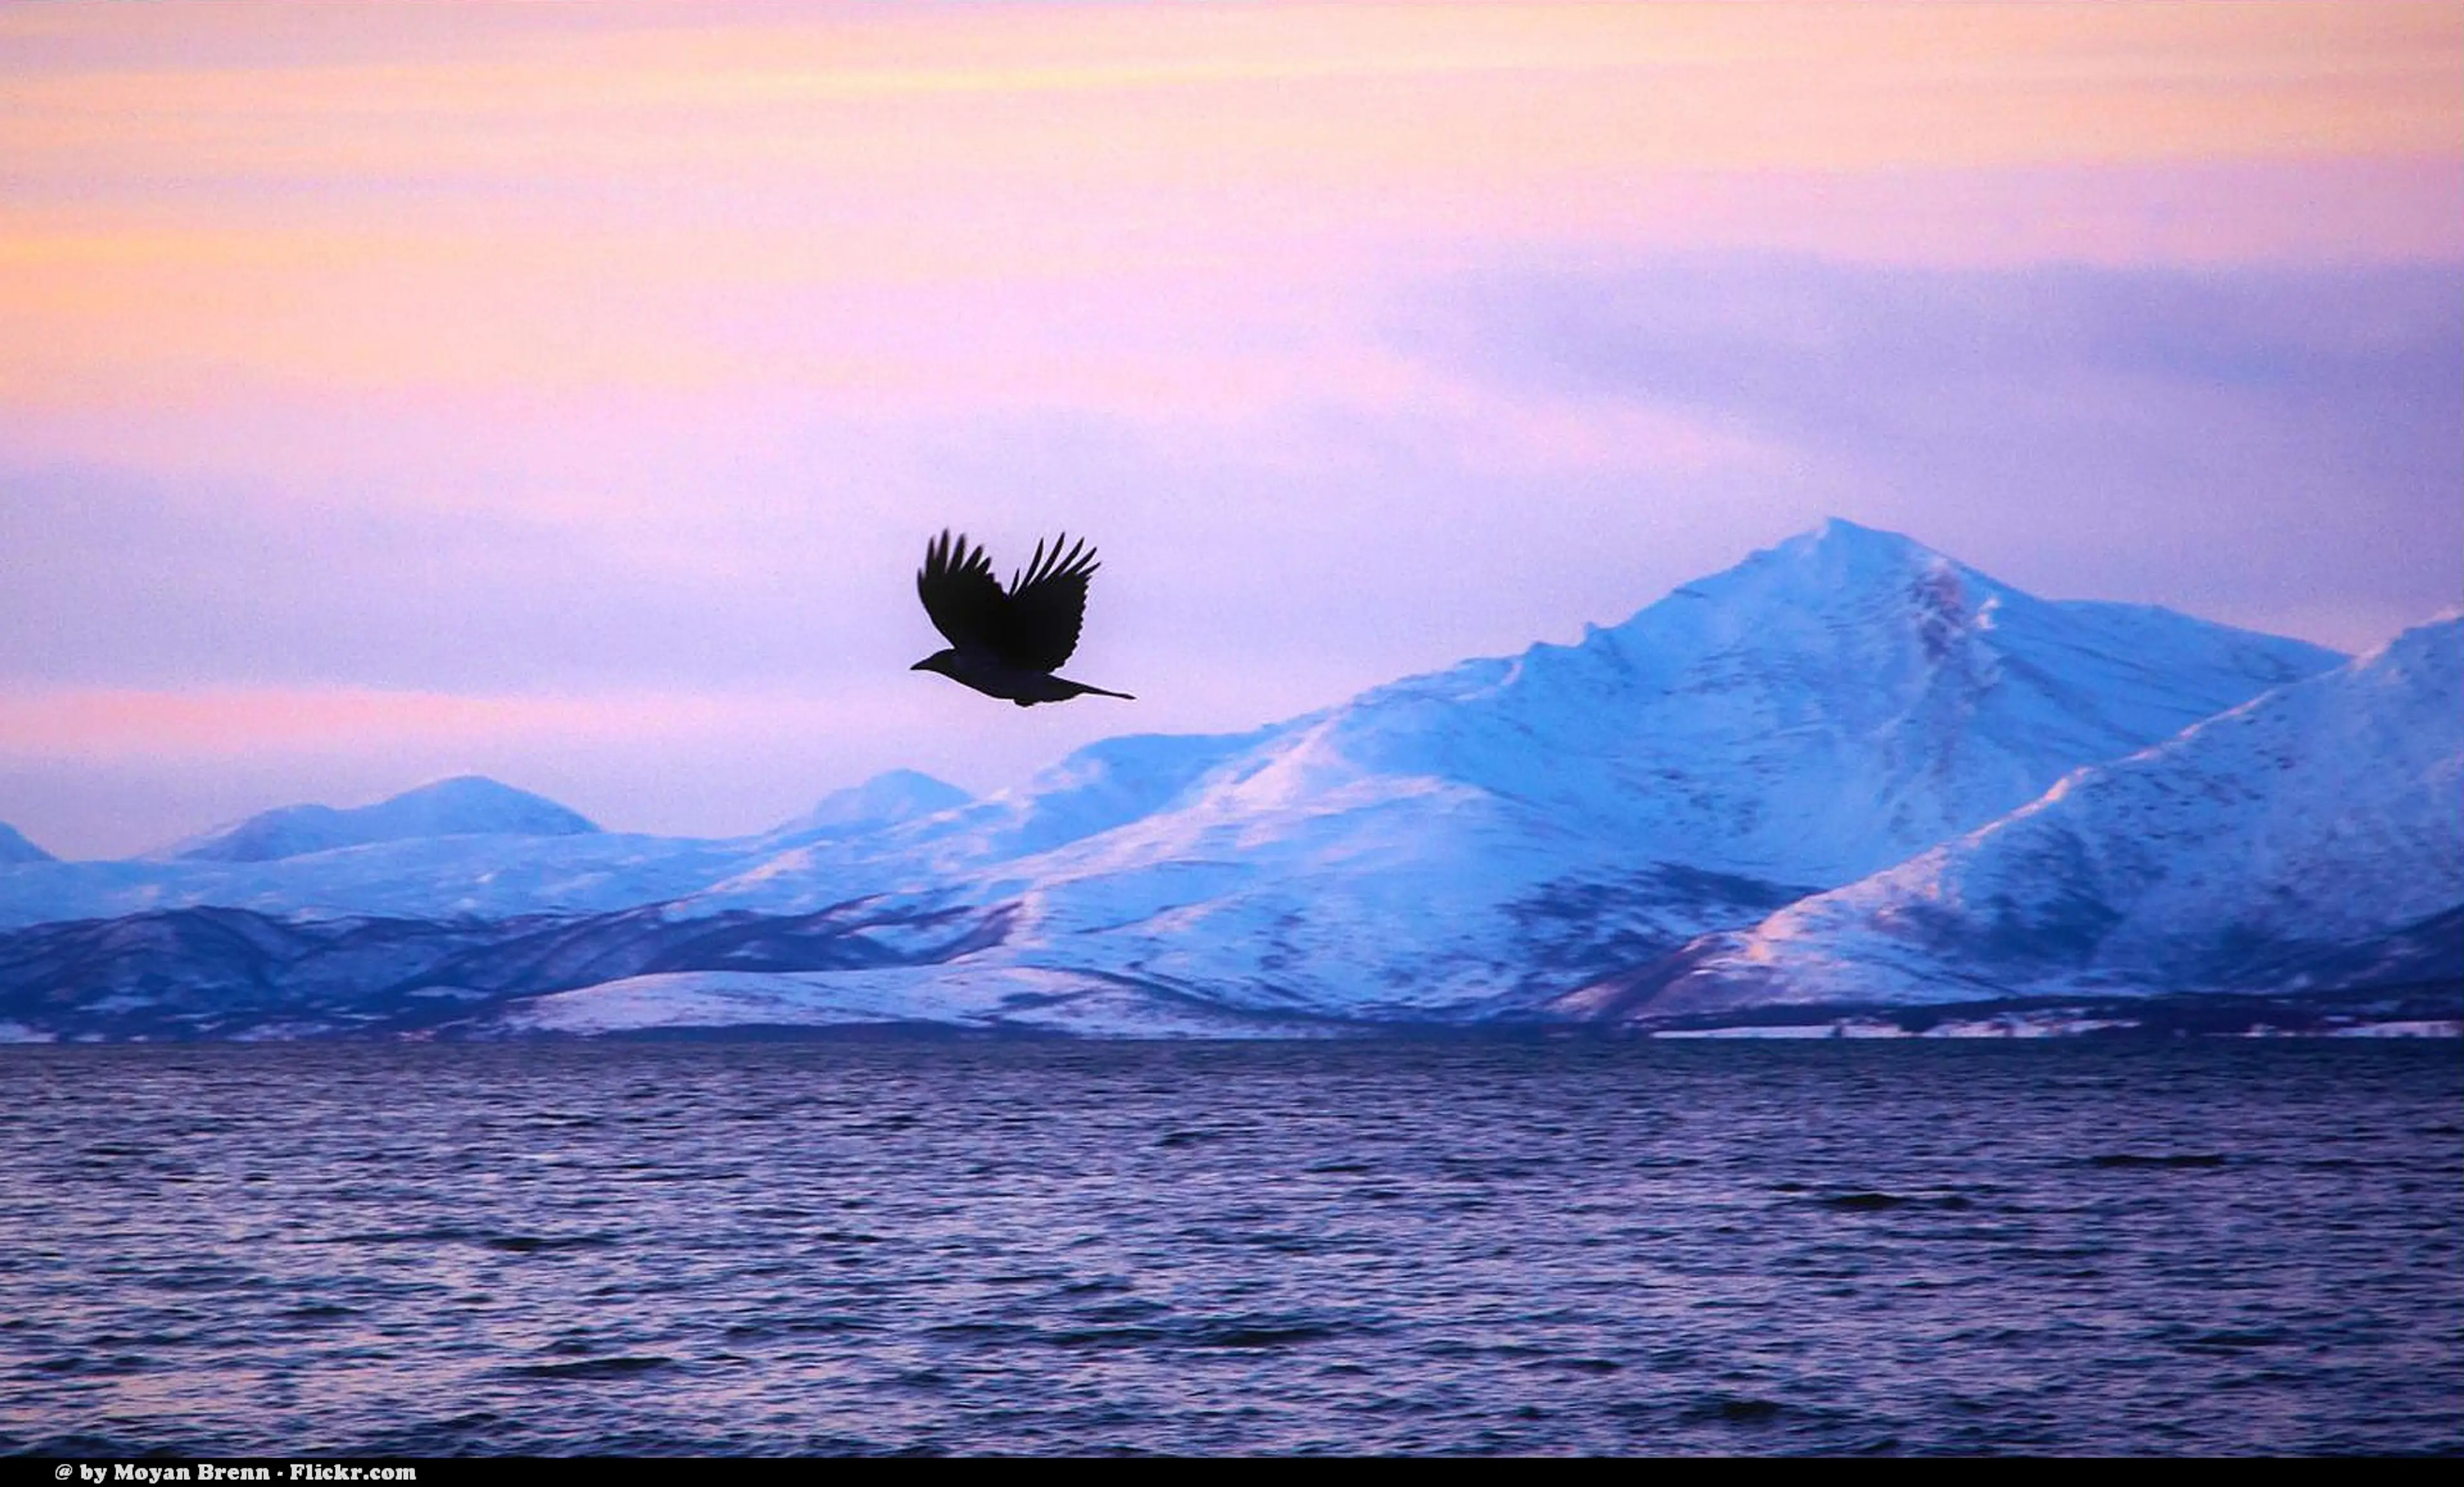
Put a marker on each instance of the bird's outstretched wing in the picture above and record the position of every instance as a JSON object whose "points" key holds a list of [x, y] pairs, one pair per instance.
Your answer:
{"points": [[1047, 603], [961, 595]]}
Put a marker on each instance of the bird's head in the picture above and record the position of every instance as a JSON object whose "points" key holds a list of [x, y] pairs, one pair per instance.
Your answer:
{"points": [[941, 661]]}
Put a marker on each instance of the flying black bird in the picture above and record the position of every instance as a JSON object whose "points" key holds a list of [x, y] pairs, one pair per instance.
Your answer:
{"points": [[1007, 645]]}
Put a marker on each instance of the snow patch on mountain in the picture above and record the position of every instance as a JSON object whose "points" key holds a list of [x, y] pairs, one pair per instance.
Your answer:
{"points": [[969, 998]]}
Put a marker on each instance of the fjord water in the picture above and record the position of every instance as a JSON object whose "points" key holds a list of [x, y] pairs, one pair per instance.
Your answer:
{"points": [[2204, 1247]]}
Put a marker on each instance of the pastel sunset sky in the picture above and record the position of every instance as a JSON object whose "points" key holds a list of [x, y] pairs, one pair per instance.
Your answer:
{"points": [[567, 393]]}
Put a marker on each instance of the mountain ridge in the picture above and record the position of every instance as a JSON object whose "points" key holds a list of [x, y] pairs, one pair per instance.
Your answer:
{"points": [[463, 805], [1459, 847], [15, 848]]}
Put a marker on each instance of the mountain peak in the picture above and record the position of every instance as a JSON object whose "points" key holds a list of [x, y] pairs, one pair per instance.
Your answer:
{"points": [[884, 800], [464, 805], [1841, 555], [1844, 531], [15, 848], [465, 790], [1835, 588], [1840, 531]]}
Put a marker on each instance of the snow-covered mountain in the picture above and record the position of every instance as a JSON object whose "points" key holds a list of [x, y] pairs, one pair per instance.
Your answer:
{"points": [[887, 800], [1466, 842], [15, 848], [1455, 847], [1476, 840], [2314, 836], [466, 805]]}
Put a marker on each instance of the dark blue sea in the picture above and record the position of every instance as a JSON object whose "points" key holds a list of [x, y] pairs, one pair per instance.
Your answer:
{"points": [[766, 1249]]}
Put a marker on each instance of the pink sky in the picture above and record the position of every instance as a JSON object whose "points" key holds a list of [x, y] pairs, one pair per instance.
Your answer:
{"points": [[388, 392]]}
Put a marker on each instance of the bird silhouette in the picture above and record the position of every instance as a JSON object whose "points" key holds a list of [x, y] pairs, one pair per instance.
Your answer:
{"points": [[1007, 645]]}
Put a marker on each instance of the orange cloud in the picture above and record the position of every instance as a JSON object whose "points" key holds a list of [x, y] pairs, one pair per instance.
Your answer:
{"points": [[673, 198]]}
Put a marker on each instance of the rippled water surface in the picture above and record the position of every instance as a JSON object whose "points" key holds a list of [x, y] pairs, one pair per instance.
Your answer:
{"points": [[1741, 1246]]}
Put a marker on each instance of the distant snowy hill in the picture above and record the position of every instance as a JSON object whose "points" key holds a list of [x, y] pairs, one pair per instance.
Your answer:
{"points": [[884, 800], [14, 849], [469, 805], [1458, 846], [2312, 836]]}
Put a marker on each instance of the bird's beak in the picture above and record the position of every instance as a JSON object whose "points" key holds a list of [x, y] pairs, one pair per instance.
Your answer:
{"points": [[920, 665]]}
